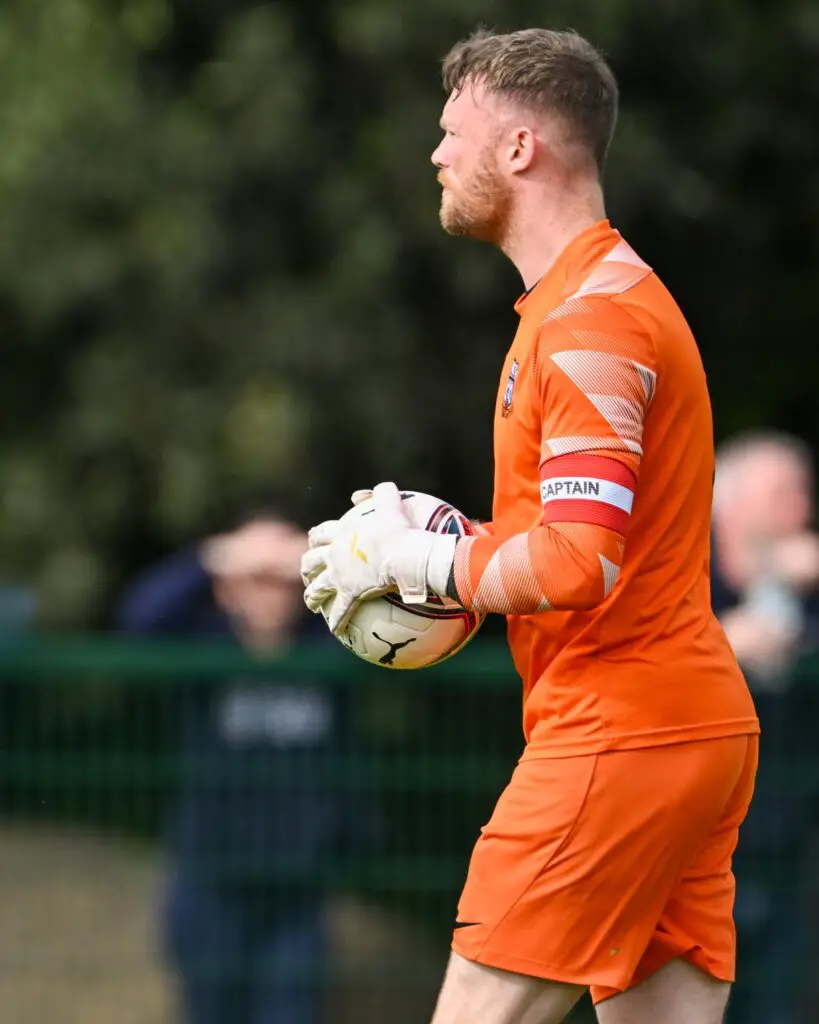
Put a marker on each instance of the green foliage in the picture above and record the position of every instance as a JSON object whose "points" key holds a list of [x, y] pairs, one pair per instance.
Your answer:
{"points": [[221, 268]]}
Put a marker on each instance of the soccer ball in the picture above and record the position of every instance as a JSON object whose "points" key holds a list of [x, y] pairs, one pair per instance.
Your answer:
{"points": [[387, 632]]}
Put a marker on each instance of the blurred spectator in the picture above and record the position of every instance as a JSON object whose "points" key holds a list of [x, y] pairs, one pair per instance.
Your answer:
{"points": [[765, 590], [259, 809], [766, 570]]}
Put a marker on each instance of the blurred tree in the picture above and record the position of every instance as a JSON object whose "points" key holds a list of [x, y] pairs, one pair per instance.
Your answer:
{"points": [[221, 267]]}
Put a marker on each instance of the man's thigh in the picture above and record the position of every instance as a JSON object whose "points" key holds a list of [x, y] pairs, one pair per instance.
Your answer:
{"points": [[472, 992], [678, 993]]}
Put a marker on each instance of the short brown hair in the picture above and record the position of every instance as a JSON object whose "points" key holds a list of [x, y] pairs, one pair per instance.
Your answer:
{"points": [[549, 72]]}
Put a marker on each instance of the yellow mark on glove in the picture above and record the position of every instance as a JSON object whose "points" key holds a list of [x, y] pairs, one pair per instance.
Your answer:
{"points": [[356, 550]]}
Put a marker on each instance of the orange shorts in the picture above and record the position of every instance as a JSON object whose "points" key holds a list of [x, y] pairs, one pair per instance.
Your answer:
{"points": [[599, 869]]}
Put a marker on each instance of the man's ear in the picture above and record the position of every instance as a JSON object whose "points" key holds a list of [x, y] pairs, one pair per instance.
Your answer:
{"points": [[224, 593], [520, 149]]}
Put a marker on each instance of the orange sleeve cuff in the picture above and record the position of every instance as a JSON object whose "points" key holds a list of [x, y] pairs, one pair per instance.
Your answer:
{"points": [[560, 566]]}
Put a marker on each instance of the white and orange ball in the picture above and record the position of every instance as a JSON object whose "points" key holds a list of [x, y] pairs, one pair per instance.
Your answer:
{"points": [[385, 631]]}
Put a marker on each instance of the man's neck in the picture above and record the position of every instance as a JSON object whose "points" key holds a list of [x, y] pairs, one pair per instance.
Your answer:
{"points": [[266, 644], [539, 234]]}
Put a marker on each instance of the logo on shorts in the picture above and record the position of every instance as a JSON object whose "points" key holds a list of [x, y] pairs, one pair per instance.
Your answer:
{"points": [[506, 404]]}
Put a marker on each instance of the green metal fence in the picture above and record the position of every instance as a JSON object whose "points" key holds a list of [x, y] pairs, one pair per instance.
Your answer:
{"points": [[112, 788]]}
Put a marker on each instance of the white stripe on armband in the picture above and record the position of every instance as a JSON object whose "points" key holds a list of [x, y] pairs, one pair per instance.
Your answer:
{"points": [[586, 488]]}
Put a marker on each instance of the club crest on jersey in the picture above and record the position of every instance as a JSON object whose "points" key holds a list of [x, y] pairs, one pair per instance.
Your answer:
{"points": [[506, 404]]}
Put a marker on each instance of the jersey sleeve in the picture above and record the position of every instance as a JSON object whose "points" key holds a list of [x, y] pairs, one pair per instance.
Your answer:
{"points": [[596, 374]]}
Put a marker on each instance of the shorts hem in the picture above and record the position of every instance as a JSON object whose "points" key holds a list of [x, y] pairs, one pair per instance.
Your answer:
{"points": [[692, 956], [590, 978], [546, 972]]}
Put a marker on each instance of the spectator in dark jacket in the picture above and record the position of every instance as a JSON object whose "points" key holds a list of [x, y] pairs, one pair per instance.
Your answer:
{"points": [[260, 809], [765, 590]]}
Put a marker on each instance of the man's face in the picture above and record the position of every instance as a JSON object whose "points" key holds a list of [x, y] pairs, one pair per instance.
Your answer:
{"points": [[476, 197], [777, 494], [261, 604]]}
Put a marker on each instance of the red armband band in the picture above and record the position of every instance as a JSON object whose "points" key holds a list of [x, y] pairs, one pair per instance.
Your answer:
{"points": [[587, 489]]}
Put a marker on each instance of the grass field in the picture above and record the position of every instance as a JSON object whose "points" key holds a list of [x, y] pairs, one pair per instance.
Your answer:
{"points": [[78, 946]]}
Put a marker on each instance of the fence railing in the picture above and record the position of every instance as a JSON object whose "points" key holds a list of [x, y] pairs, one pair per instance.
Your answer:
{"points": [[309, 781]]}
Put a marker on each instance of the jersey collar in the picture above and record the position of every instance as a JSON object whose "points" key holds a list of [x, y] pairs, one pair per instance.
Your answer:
{"points": [[574, 262]]}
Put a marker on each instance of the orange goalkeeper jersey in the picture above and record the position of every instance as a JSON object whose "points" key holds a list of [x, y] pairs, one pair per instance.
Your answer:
{"points": [[599, 544]]}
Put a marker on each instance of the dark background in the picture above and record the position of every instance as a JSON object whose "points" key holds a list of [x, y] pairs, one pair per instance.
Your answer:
{"points": [[221, 269]]}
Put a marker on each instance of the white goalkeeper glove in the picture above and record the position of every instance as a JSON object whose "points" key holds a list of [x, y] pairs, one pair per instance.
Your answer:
{"points": [[367, 555]]}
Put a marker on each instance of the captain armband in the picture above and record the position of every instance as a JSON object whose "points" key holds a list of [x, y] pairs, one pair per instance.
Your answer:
{"points": [[587, 489]]}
